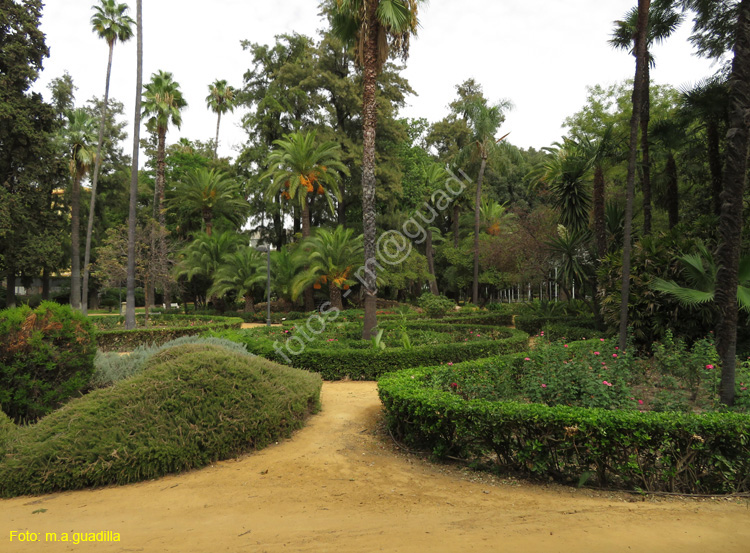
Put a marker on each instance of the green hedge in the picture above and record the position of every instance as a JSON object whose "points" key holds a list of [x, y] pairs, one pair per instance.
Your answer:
{"points": [[684, 453], [128, 340], [192, 405], [369, 363], [534, 323], [566, 331]]}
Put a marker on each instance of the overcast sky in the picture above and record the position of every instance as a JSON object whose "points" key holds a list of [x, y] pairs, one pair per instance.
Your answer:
{"points": [[540, 54]]}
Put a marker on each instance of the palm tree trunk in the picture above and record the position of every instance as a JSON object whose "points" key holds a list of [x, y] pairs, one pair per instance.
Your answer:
{"points": [[477, 205], [94, 181], [208, 222], [308, 294], [249, 305], [430, 262], [130, 282], [714, 163], [640, 62], [730, 220], [335, 296], [645, 153], [159, 214], [75, 243], [600, 219], [216, 143], [369, 122], [673, 192]]}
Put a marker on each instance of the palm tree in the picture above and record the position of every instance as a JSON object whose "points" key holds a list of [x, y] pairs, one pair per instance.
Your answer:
{"points": [[663, 20], [133, 200], [435, 176], [220, 100], [241, 272], [670, 134], [80, 133], [484, 122], [332, 257], [285, 265], [209, 194], [641, 62], [376, 28], [204, 255], [111, 23]]}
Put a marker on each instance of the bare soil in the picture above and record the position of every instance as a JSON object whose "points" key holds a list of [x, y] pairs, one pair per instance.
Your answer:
{"points": [[340, 484]]}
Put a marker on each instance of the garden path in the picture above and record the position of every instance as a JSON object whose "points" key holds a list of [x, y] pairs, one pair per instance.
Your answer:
{"points": [[340, 484]]}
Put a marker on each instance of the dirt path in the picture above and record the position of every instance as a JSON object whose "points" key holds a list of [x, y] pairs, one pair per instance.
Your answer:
{"points": [[340, 485]]}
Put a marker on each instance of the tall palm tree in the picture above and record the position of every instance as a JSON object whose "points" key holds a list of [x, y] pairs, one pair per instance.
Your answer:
{"points": [[204, 255], [484, 122], [80, 133], [285, 265], [332, 256], [376, 28], [209, 194], [663, 20], [435, 177], [133, 200], [241, 272], [641, 63], [111, 23], [670, 135], [220, 100]]}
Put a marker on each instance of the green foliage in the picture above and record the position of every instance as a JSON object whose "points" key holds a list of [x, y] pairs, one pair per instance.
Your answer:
{"points": [[682, 453], [192, 405], [533, 324], [46, 357], [435, 306]]}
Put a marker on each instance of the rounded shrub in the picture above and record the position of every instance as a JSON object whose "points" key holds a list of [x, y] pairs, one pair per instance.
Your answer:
{"points": [[46, 357], [192, 405], [435, 306]]}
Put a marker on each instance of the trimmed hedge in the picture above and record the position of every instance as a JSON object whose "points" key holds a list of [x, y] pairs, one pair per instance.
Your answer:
{"points": [[128, 340], [683, 453], [369, 363], [534, 323], [565, 331], [193, 405]]}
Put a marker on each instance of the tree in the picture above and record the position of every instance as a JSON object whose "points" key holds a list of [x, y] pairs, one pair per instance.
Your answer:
{"points": [[130, 282], [204, 255], [220, 100], [79, 138], [670, 135], [111, 23], [375, 27], [241, 272], [641, 61], [208, 194], [332, 258], [663, 20]]}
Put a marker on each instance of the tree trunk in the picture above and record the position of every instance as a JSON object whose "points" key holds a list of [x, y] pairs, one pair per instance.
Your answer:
{"points": [[477, 205], [10, 291], [208, 222], [335, 296], [730, 220], [430, 262], [371, 28], [645, 152], [45, 284], [159, 213], [130, 297], [94, 181], [600, 218], [216, 144], [278, 226], [456, 214], [309, 293], [249, 305], [640, 62], [714, 163], [673, 192], [75, 243]]}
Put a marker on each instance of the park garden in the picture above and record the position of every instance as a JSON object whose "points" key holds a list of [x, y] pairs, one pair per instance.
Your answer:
{"points": [[578, 313]]}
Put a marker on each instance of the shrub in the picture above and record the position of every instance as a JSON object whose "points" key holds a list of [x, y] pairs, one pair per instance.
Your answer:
{"points": [[46, 357], [193, 404], [7, 430], [534, 323], [435, 306]]}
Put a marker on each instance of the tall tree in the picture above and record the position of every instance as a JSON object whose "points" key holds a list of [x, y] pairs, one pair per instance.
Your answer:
{"points": [[220, 100], [130, 281], [79, 139], [376, 27], [242, 272], [663, 20], [111, 22], [641, 62]]}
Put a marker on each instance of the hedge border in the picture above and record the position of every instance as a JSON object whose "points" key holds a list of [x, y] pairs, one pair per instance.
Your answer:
{"points": [[127, 340], [673, 452]]}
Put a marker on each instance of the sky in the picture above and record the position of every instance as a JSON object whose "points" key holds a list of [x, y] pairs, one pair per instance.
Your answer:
{"points": [[539, 54]]}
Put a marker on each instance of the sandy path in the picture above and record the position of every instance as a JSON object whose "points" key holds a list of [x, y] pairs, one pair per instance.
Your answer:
{"points": [[339, 485]]}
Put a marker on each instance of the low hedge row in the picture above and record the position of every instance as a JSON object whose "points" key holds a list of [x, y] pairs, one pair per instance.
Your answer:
{"points": [[370, 363], [684, 453], [128, 340], [192, 405], [534, 323], [566, 331]]}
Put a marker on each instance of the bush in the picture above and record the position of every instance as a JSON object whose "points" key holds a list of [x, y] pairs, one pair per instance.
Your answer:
{"points": [[192, 405], [534, 323], [46, 357], [435, 306], [683, 453], [111, 367]]}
